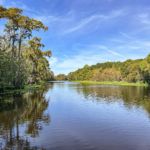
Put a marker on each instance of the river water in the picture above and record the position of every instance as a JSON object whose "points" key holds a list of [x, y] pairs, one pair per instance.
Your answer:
{"points": [[71, 116]]}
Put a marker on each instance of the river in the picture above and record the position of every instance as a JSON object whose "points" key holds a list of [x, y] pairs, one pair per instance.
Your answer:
{"points": [[71, 116]]}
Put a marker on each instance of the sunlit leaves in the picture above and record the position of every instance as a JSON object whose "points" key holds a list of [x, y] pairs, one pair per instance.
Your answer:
{"points": [[26, 54]]}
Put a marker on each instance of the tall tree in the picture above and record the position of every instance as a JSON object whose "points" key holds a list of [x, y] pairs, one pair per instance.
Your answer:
{"points": [[35, 57]]}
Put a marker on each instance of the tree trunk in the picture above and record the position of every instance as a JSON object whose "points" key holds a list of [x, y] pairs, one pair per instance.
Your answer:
{"points": [[19, 48]]}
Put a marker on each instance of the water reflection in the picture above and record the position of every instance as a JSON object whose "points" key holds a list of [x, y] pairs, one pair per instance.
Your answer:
{"points": [[84, 117], [129, 96], [15, 110]]}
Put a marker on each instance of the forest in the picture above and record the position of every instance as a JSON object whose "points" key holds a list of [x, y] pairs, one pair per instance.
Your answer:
{"points": [[129, 71], [23, 60]]}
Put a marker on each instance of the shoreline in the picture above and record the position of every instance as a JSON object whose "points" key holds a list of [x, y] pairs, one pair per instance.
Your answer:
{"points": [[115, 83], [24, 89]]}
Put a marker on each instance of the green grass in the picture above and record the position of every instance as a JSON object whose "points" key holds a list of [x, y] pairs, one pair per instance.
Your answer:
{"points": [[119, 83]]}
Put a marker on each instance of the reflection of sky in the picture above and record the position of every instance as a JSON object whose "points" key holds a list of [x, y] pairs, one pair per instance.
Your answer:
{"points": [[87, 32], [91, 117], [78, 121]]}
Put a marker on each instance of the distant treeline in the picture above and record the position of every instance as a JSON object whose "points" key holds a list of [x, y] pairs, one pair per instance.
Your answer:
{"points": [[22, 60], [129, 71], [61, 77]]}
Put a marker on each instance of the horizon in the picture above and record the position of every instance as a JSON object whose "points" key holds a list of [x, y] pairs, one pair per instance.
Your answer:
{"points": [[90, 32]]}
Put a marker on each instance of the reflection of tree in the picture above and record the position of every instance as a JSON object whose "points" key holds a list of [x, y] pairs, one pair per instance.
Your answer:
{"points": [[19, 109], [20, 144], [34, 112], [130, 96]]}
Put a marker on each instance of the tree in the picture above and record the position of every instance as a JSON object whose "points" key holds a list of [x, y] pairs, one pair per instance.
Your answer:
{"points": [[19, 52], [130, 71], [61, 77], [35, 58]]}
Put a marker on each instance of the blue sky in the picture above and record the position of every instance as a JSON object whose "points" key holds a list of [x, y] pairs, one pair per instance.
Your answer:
{"points": [[90, 31]]}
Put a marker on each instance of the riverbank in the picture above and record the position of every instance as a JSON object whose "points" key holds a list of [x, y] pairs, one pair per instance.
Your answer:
{"points": [[121, 83], [24, 89]]}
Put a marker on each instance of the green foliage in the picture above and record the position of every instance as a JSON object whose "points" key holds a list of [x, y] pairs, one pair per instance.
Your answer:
{"points": [[128, 71], [38, 69], [61, 77], [12, 72], [22, 61]]}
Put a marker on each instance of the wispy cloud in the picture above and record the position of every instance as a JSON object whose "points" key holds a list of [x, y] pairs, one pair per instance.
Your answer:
{"points": [[20, 4], [106, 31], [72, 63], [116, 53], [94, 18], [91, 54], [144, 18], [127, 36], [96, 53], [69, 23], [52, 19]]}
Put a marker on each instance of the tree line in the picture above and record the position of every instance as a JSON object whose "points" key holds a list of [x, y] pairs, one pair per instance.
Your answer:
{"points": [[130, 71], [22, 58]]}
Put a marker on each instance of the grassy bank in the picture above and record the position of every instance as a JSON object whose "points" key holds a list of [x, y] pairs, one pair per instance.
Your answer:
{"points": [[121, 83]]}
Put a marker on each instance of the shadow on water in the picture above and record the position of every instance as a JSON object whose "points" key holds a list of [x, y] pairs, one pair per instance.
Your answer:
{"points": [[18, 109]]}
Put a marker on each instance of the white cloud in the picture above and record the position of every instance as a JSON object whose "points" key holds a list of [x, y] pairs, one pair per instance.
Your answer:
{"points": [[94, 18], [46, 19], [53, 61], [70, 22], [27, 10], [51, 19], [144, 18], [127, 36], [142, 22], [72, 63], [122, 49], [92, 55], [116, 53]]}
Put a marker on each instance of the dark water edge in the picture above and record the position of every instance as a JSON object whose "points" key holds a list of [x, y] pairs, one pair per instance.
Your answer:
{"points": [[26, 88], [71, 116]]}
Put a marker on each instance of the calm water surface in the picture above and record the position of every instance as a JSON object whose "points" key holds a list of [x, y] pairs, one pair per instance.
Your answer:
{"points": [[70, 116]]}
